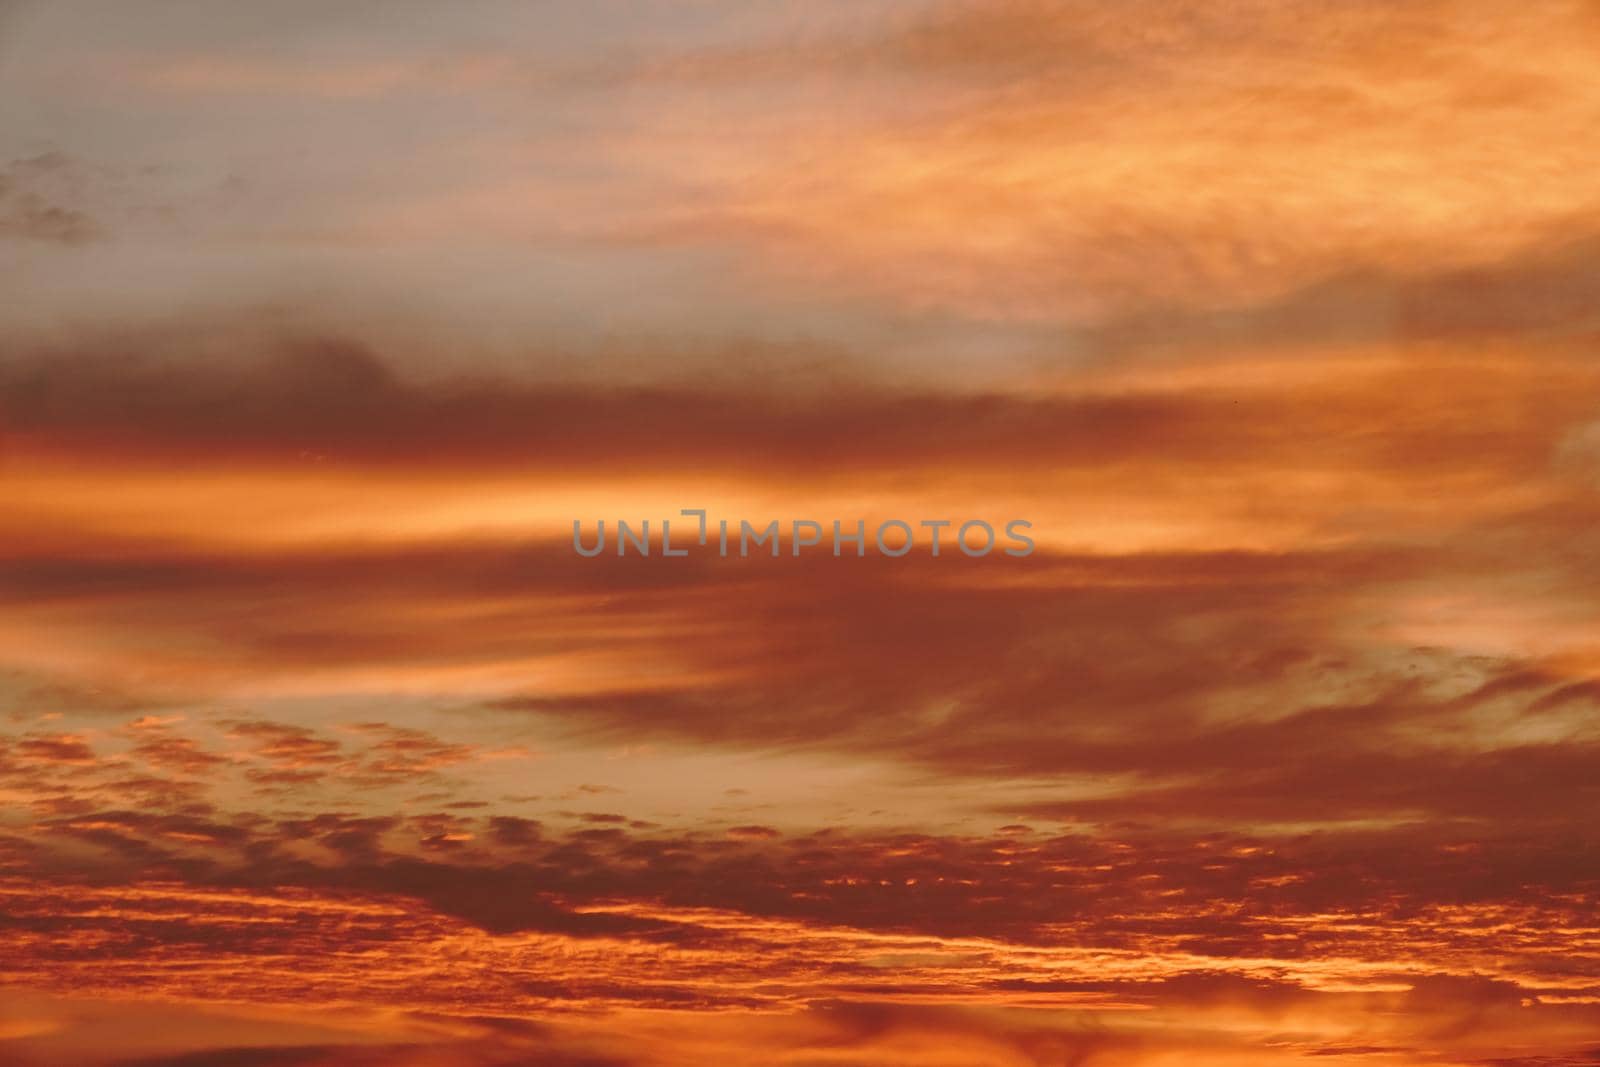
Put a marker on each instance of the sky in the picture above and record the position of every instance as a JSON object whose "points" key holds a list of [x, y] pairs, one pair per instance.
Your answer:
{"points": [[320, 746]]}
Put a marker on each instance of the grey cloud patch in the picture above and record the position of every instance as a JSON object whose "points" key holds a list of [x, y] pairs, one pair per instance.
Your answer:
{"points": [[1547, 292], [36, 201]]}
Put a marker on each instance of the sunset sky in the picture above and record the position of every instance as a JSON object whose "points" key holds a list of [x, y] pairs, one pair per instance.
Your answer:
{"points": [[321, 323]]}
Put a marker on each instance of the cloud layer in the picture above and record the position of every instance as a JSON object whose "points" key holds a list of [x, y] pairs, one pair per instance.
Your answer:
{"points": [[320, 746]]}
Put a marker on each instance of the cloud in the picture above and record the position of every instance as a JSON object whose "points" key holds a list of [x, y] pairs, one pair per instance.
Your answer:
{"points": [[1274, 318], [31, 207], [1097, 158]]}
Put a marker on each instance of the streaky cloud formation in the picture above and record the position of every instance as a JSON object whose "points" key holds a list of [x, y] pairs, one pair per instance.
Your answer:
{"points": [[320, 746]]}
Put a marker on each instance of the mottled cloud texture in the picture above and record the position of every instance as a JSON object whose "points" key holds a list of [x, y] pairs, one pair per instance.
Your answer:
{"points": [[321, 747]]}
